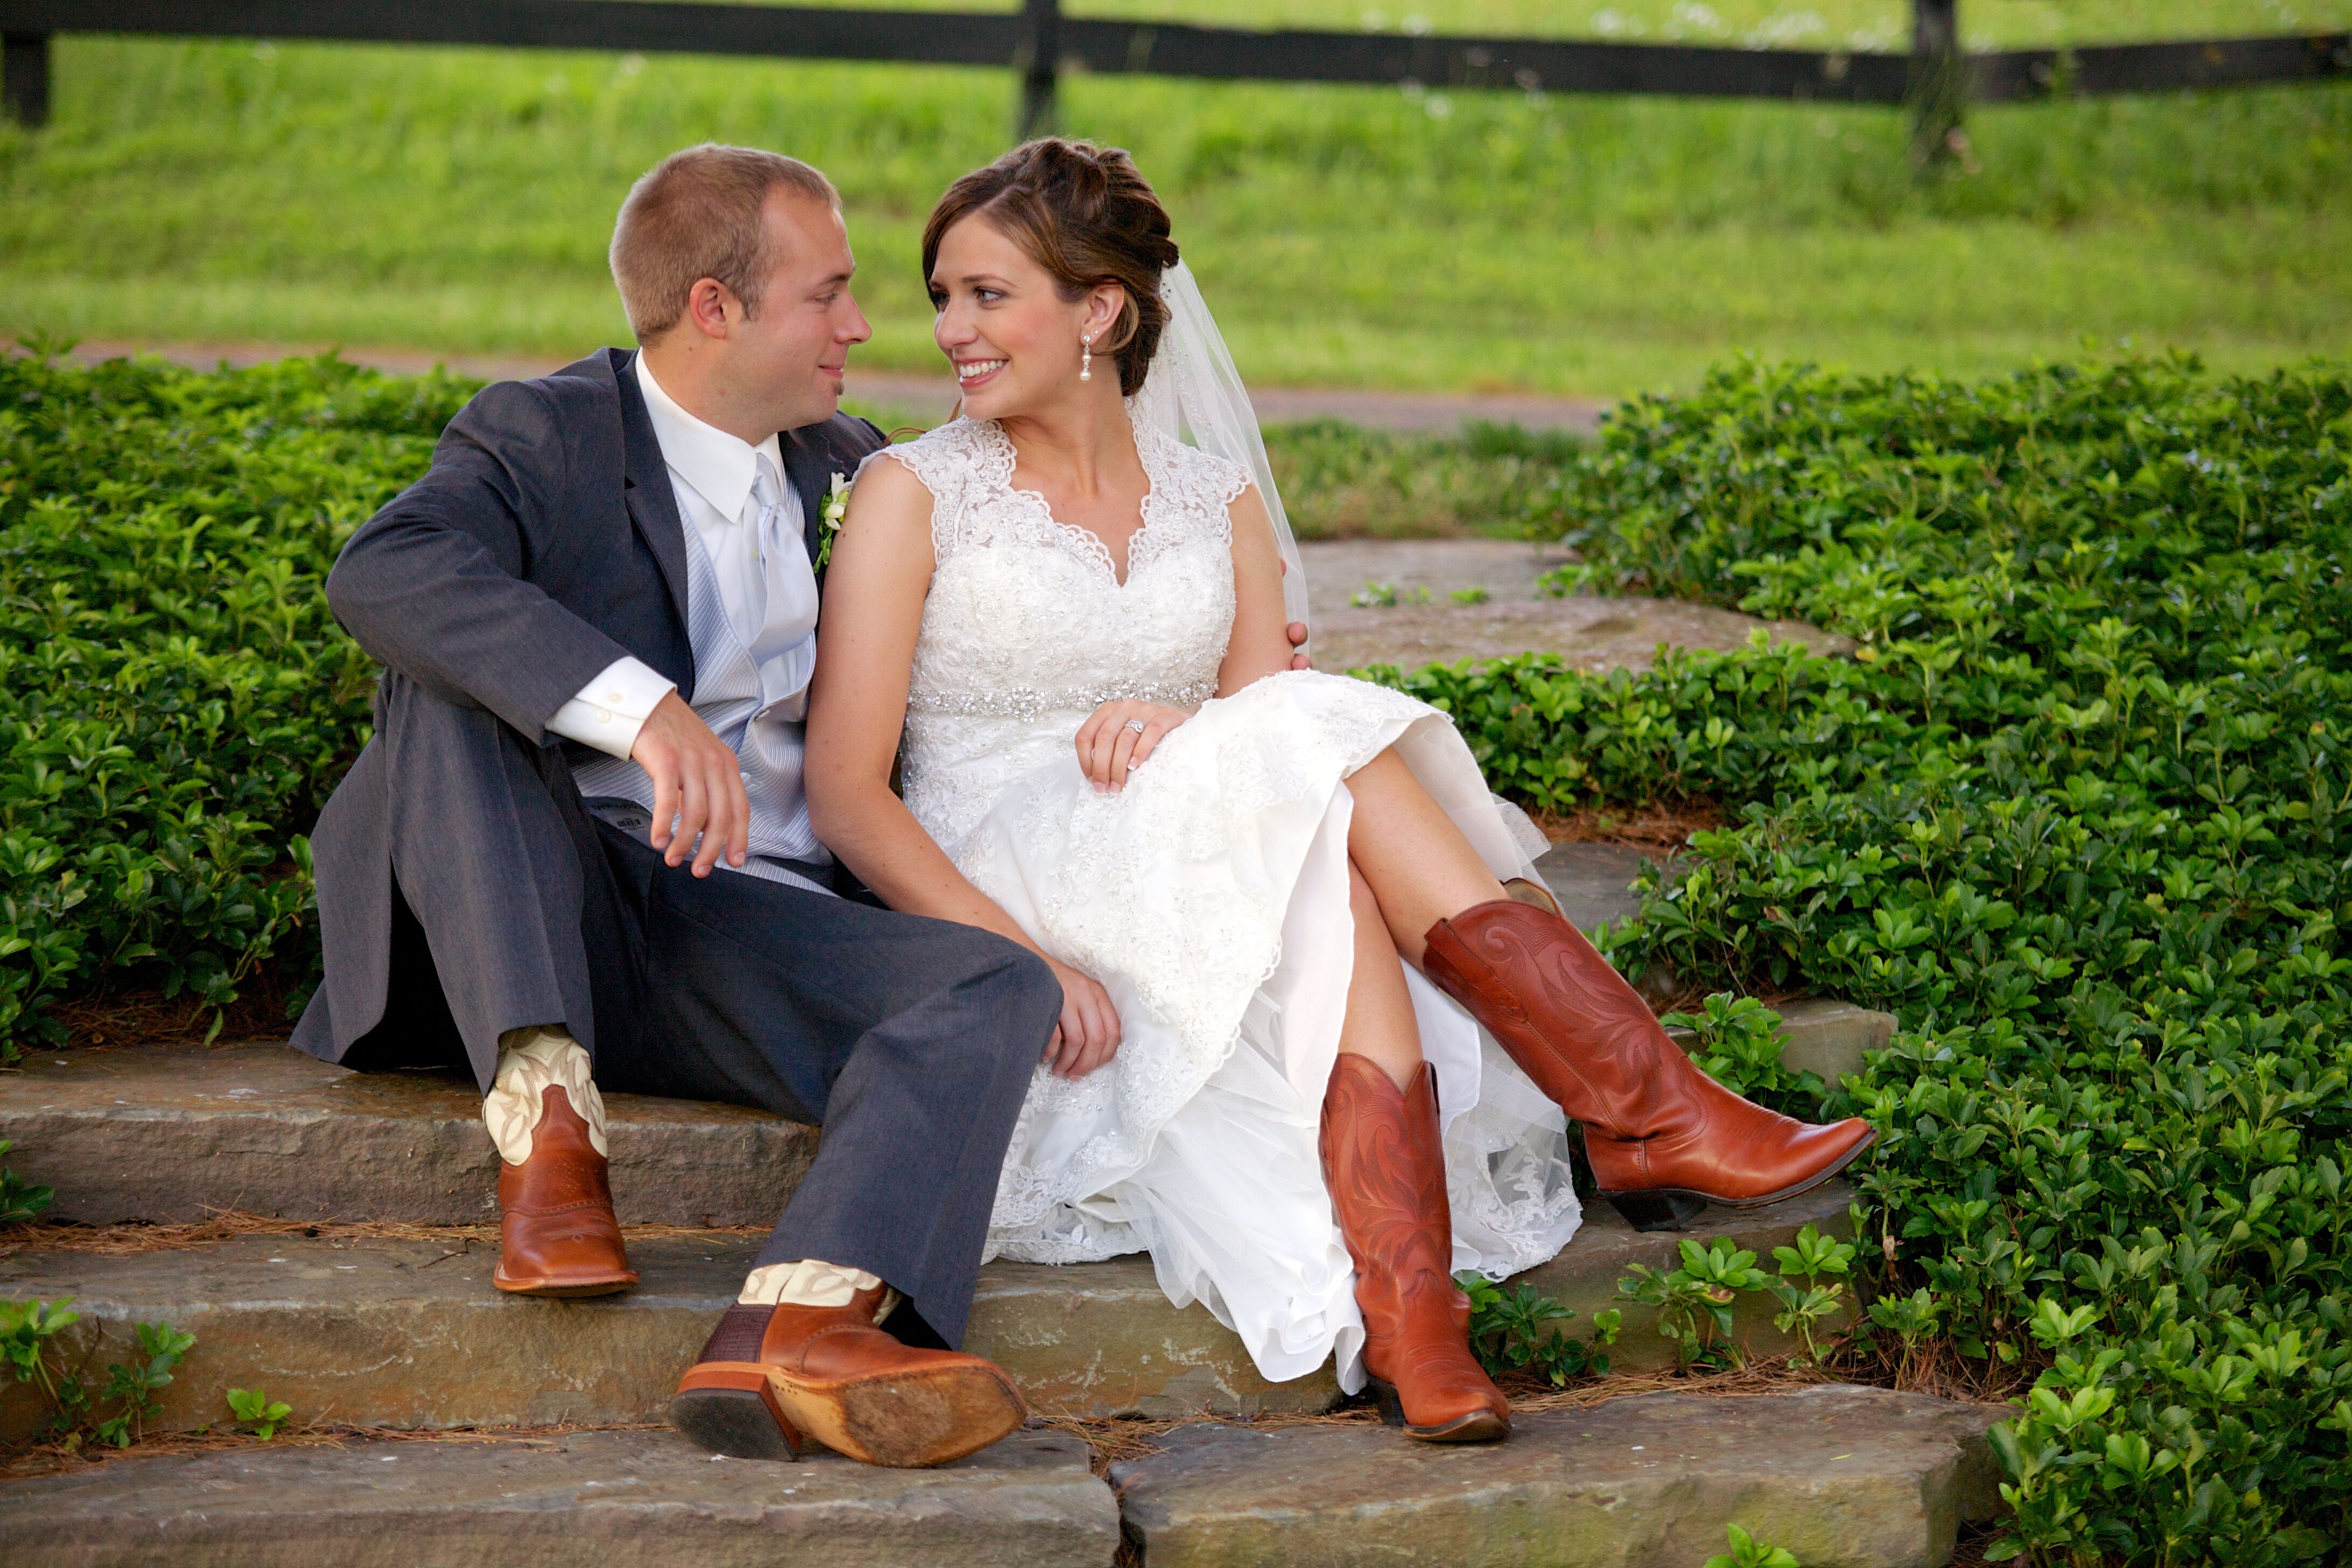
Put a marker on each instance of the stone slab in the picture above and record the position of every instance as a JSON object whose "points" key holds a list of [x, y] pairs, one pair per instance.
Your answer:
{"points": [[1593, 882], [412, 1333], [172, 1133], [1819, 1035], [1593, 633], [1841, 1477], [168, 1133], [409, 1333], [616, 1499]]}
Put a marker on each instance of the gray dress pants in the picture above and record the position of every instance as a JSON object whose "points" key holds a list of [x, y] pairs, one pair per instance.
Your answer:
{"points": [[910, 1041]]}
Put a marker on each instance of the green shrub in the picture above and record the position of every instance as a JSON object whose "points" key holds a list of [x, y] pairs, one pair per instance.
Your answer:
{"points": [[175, 702], [19, 1199], [1522, 1330], [2080, 815], [257, 1412]]}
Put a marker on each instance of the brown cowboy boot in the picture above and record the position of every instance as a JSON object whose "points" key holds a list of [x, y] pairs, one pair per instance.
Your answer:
{"points": [[1386, 1178], [773, 1382], [1664, 1139], [557, 1235]]}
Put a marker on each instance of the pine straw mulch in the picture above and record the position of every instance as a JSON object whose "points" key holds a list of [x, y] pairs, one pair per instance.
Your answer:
{"points": [[1664, 827], [129, 1240], [150, 1019]]}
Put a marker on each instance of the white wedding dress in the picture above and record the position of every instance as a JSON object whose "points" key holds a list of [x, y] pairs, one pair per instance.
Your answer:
{"points": [[1210, 899]]}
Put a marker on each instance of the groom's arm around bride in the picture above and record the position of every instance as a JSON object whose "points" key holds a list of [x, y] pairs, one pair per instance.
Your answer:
{"points": [[576, 854]]}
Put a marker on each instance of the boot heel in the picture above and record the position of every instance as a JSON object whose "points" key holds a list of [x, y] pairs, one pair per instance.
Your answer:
{"points": [[1385, 1396], [1657, 1211]]}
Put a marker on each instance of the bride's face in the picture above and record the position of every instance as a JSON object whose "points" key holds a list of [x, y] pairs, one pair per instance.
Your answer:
{"points": [[1003, 323]]}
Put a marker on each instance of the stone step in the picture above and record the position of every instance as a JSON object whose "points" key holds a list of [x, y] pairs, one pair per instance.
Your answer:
{"points": [[410, 1334], [1841, 1477], [172, 1133], [168, 1133], [612, 1497]]}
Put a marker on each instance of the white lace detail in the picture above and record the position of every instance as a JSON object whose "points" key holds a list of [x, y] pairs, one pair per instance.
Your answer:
{"points": [[1209, 897], [1027, 629]]}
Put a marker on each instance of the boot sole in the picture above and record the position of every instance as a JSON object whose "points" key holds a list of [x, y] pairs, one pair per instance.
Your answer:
{"points": [[1672, 1208], [901, 1421], [1478, 1426], [566, 1290]]}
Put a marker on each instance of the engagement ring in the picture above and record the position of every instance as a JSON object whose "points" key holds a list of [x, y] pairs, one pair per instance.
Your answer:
{"points": [[1136, 725]]}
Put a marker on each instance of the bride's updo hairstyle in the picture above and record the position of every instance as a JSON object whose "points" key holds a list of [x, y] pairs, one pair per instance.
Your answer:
{"points": [[1085, 214]]}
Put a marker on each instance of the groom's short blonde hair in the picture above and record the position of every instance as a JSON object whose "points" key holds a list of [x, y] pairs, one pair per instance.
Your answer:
{"points": [[700, 214]]}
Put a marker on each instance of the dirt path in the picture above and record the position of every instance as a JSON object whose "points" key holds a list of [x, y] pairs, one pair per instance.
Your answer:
{"points": [[1427, 624], [927, 399]]}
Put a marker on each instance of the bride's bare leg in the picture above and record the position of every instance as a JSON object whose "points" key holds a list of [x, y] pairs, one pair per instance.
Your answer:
{"points": [[1419, 867], [1665, 1139], [1379, 1025]]}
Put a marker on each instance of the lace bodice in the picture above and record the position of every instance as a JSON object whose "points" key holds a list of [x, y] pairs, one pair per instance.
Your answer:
{"points": [[1027, 628]]}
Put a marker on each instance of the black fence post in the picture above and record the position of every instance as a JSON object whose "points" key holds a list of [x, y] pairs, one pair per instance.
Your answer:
{"points": [[24, 78], [1041, 77], [1939, 83]]}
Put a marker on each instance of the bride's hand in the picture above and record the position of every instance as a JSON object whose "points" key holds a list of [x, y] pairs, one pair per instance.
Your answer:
{"points": [[1119, 737], [1088, 1033]]}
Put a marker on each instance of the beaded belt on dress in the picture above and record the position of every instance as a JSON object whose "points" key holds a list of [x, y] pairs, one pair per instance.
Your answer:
{"points": [[1021, 702]]}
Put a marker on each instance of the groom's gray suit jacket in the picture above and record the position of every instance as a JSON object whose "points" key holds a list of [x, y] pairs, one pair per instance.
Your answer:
{"points": [[544, 543]]}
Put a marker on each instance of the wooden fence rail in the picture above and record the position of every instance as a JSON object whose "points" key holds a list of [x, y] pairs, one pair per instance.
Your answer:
{"points": [[1041, 43]]}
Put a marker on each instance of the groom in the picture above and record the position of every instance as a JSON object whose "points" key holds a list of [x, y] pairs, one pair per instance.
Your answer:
{"points": [[577, 853]]}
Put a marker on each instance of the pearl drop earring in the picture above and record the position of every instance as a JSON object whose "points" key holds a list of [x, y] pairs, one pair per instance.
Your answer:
{"points": [[1087, 357]]}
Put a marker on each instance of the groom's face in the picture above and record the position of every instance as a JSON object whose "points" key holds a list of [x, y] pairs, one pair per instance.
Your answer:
{"points": [[790, 357]]}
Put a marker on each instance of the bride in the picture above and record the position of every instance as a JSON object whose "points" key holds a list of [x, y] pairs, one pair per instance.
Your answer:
{"points": [[1280, 903]]}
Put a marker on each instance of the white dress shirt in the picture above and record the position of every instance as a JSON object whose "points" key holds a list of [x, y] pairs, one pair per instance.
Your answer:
{"points": [[752, 605], [770, 596]]}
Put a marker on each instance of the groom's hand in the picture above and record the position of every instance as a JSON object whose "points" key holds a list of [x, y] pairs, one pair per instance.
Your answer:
{"points": [[697, 787], [1296, 632]]}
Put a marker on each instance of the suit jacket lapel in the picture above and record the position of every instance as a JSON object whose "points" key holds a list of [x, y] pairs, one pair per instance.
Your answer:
{"points": [[653, 505], [810, 467]]}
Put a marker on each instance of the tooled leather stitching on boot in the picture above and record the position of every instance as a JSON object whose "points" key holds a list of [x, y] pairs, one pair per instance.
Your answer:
{"points": [[1496, 1004], [1624, 1042]]}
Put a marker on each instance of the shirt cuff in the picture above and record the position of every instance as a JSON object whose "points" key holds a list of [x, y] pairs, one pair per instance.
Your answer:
{"points": [[610, 710]]}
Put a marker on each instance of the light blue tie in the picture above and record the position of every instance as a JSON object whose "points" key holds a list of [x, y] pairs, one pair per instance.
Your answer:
{"points": [[767, 531]]}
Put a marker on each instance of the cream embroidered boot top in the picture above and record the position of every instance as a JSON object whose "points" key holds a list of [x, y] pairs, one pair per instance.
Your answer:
{"points": [[532, 1061], [812, 1283]]}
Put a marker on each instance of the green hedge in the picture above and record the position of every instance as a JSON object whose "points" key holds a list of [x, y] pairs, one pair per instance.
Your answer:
{"points": [[175, 702], [2081, 816]]}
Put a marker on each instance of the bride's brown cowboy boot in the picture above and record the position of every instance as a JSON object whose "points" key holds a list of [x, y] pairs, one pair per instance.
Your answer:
{"points": [[1664, 1139], [774, 1382], [1386, 1172], [557, 1235]]}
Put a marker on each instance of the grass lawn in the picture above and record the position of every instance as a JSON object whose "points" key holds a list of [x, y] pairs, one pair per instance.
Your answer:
{"points": [[460, 200]]}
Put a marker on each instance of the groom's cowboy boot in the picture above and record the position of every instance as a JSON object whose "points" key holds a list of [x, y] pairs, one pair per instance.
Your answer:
{"points": [[557, 1233], [1386, 1172], [1664, 1139], [774, 1381]]}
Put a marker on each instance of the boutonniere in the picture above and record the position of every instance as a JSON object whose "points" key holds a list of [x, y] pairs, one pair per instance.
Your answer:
{"points": [[828, 518]]}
